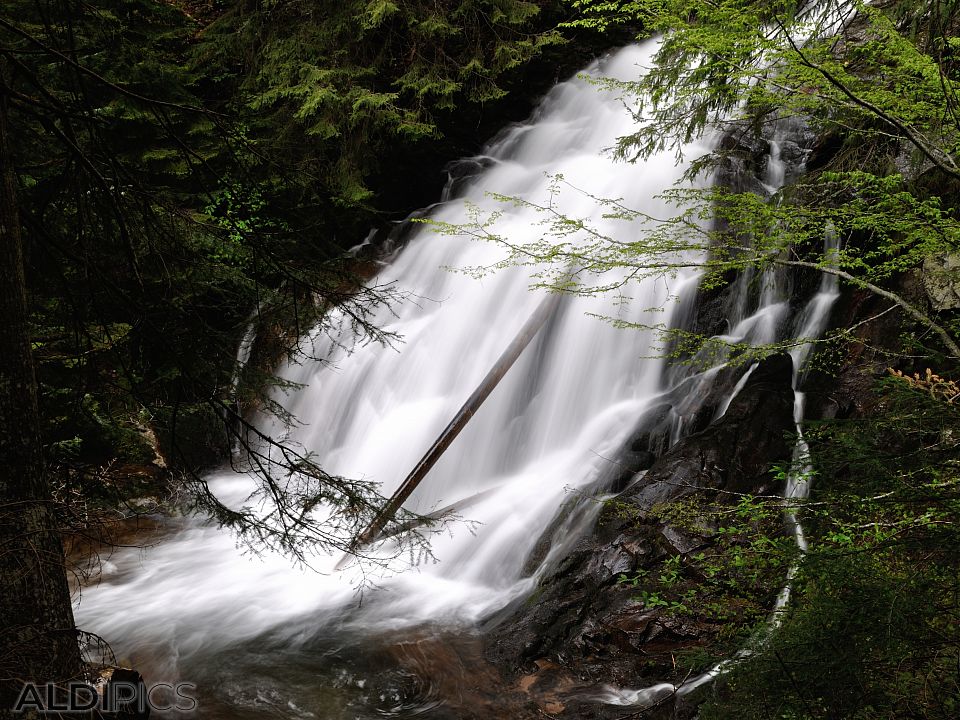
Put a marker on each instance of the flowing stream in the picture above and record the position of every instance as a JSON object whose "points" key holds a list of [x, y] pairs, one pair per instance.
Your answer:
{"points": [[260, 637]]}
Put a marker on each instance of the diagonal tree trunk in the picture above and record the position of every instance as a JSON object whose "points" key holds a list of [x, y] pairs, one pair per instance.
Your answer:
{"points": [[38, 638]]}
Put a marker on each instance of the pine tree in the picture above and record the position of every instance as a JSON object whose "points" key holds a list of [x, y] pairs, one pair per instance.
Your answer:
{"points": [[38, 639]]}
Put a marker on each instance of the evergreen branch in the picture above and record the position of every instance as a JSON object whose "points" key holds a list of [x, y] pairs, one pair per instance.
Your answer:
{"points": [[99, 78]]}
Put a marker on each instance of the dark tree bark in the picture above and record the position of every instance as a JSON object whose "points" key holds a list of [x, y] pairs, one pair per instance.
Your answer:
{"points": [[38, 638]]}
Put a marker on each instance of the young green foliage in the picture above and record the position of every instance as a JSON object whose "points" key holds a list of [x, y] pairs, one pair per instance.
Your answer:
{"points": [[884, 98], [873, 631]]}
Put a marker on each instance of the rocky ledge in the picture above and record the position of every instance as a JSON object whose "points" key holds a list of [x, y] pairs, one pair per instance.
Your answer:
{"points": [[584, 625]]}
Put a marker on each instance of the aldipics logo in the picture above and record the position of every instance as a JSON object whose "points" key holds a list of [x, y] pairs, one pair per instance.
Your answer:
{"points": [[130, 698]]}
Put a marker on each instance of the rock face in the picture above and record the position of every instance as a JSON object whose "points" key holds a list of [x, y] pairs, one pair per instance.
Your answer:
{"points": [[940, 274], [587, 624], [842, 383], [582, 617]]}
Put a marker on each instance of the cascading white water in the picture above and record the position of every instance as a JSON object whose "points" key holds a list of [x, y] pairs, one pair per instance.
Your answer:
{"points": [[195, 607], [765, 325], [547, 430]]}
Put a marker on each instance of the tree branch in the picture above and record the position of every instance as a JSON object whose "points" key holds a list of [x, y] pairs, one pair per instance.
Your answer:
{"points": [[939, 158], [912, 311]]}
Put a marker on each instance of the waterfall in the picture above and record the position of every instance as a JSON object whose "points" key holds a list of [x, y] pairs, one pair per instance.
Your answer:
{"points": [[769, 322], [807, 328], [195, 607]]}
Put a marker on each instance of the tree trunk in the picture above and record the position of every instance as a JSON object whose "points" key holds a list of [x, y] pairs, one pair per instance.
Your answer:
{"points": [[38, 638]]}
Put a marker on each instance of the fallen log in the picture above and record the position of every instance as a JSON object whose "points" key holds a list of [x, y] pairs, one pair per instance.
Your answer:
{"points": [[535, 322]]}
